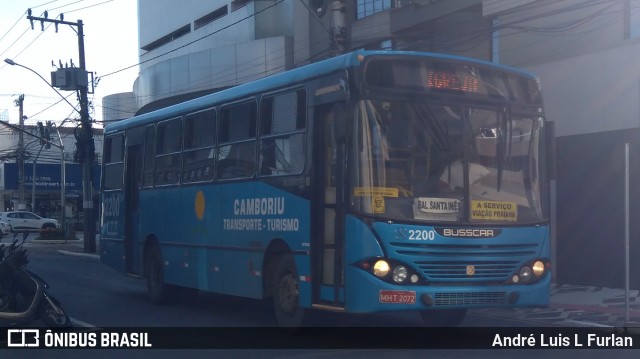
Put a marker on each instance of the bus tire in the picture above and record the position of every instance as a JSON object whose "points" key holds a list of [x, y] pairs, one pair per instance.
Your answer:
{"points": [[443, 317], [286, 295], [159, 292]]}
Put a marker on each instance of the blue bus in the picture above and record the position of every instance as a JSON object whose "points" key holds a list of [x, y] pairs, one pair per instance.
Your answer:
{"points": [[373, 181]]}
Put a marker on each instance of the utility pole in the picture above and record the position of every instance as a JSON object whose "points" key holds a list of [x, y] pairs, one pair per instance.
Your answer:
{"points": [[77, 79], [338, 27], [20, 155]]}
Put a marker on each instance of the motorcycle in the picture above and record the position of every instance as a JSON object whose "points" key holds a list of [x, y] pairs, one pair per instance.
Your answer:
{"points": [[23, 294]]}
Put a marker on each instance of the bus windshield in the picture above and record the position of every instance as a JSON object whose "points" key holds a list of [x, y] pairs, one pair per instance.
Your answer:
{"points": [[418, 161]]}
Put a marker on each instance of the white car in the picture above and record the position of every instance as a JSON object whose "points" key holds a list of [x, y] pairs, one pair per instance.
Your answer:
{"points": [[26, 221], [5, 229]]}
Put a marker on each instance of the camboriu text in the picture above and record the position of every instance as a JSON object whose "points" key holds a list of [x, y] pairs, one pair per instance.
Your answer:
{"points": [[256, 209], [558, 341]]}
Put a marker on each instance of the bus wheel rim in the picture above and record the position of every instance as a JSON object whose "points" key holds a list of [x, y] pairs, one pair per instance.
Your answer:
{"points": [[288, 294]]}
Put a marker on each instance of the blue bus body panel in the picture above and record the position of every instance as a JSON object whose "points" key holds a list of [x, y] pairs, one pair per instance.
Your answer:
{"points": [[444, 261], [213, 237], [112, 230]]}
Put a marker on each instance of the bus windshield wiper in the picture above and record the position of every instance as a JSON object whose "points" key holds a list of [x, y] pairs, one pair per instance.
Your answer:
{"points": [[473, 73], [504, 133], [429, 120]]}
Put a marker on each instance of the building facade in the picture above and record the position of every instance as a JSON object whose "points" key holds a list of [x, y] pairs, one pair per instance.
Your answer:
{"points": [[42, 176], [201, 47]]}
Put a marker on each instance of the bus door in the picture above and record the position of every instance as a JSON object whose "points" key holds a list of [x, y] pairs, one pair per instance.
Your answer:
{"points": [[133, 181], [328, 244]]}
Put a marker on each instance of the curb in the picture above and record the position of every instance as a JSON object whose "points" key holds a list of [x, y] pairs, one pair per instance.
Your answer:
{"points": [[55, 241], [594, 308], [78, 254]]}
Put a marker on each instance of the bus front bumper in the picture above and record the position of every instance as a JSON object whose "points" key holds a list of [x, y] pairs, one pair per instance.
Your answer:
{"points": [[374, 295]]}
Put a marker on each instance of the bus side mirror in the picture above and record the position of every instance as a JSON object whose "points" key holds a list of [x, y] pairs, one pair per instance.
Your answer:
{"points": [[550, 148]]}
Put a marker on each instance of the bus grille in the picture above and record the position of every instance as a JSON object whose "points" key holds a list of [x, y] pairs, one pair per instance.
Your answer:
{"points": [[452, 263], [435, 271], [470, 298]]}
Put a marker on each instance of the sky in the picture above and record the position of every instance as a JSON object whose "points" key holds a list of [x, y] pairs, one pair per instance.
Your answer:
{"points": [[111, 50]]}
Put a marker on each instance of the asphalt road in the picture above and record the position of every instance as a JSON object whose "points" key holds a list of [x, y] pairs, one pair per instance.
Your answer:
{"points": [[96, 296]]}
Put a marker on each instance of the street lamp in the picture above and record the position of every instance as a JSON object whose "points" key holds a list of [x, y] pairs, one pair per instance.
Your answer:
{"points": [[13, 63], [61, 147]]}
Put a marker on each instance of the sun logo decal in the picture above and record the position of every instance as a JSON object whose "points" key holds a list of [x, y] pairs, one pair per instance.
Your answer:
{"points": [[199, 205]]}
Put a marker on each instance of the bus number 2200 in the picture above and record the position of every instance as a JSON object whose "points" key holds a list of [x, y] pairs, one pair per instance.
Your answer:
{"points": [[111, 207], [421, 235]]}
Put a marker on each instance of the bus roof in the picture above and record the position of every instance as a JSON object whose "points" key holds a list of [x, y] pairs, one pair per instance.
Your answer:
{"points": [[283, 79]]}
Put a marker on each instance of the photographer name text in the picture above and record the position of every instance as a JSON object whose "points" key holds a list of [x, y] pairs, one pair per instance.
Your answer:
{"points": [[559, 341]]}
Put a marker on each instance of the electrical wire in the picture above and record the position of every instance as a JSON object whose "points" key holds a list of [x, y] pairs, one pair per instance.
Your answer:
{"points": [[277, 2], [87, 7], [450, 41]]}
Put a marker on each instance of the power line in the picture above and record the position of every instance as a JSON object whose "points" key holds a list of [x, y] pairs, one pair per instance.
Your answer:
{"points": [[20, 18], [460, 38], [62, 99], [230, 74], [89, 6], [8, 48], [11, 28], [63, 6], [56, 8], [196, 40]]}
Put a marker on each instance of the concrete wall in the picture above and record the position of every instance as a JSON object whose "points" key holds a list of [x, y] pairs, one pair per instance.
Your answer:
{"points": [[213, 68], [118, 106], [595, 92], [549, 30], [159, 18], [591, 87], [248, 43]]}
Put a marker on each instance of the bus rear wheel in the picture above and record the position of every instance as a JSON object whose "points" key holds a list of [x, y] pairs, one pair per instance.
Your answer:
{"points": [[159, 292], [443, 317], [286, 294]]}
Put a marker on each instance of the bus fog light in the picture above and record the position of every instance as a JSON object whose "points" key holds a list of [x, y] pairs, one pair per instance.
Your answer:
{"points": [[525, 273], [399, 274], [414, 278], [515, 278], [538, 269], [381, 268]]}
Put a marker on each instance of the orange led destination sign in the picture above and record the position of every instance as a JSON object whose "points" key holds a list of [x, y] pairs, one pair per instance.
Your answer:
{"points": [[449, 81]]}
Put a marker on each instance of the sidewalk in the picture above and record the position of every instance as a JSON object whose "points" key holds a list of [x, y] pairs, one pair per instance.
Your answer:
{"points": [[579, 306], [570, 305], [73, 247]]}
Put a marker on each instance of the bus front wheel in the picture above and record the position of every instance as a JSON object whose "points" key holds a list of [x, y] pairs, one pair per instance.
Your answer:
{"points": [[286, 295], [443, 317]]}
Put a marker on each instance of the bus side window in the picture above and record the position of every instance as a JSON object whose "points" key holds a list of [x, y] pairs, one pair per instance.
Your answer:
{"points": [[236, 138], [198, 154], [113, 162], [283, 121], [168, 147], [235, 160]]}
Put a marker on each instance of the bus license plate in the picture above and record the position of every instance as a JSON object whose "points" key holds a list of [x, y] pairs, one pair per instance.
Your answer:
{"points": [[397, 296]]}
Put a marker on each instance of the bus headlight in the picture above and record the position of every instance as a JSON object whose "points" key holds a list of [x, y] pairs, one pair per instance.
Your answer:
{"points": [[381, 268], [400, 274], [525, 274], [530, 272], [390, 271], [538, 268]]}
